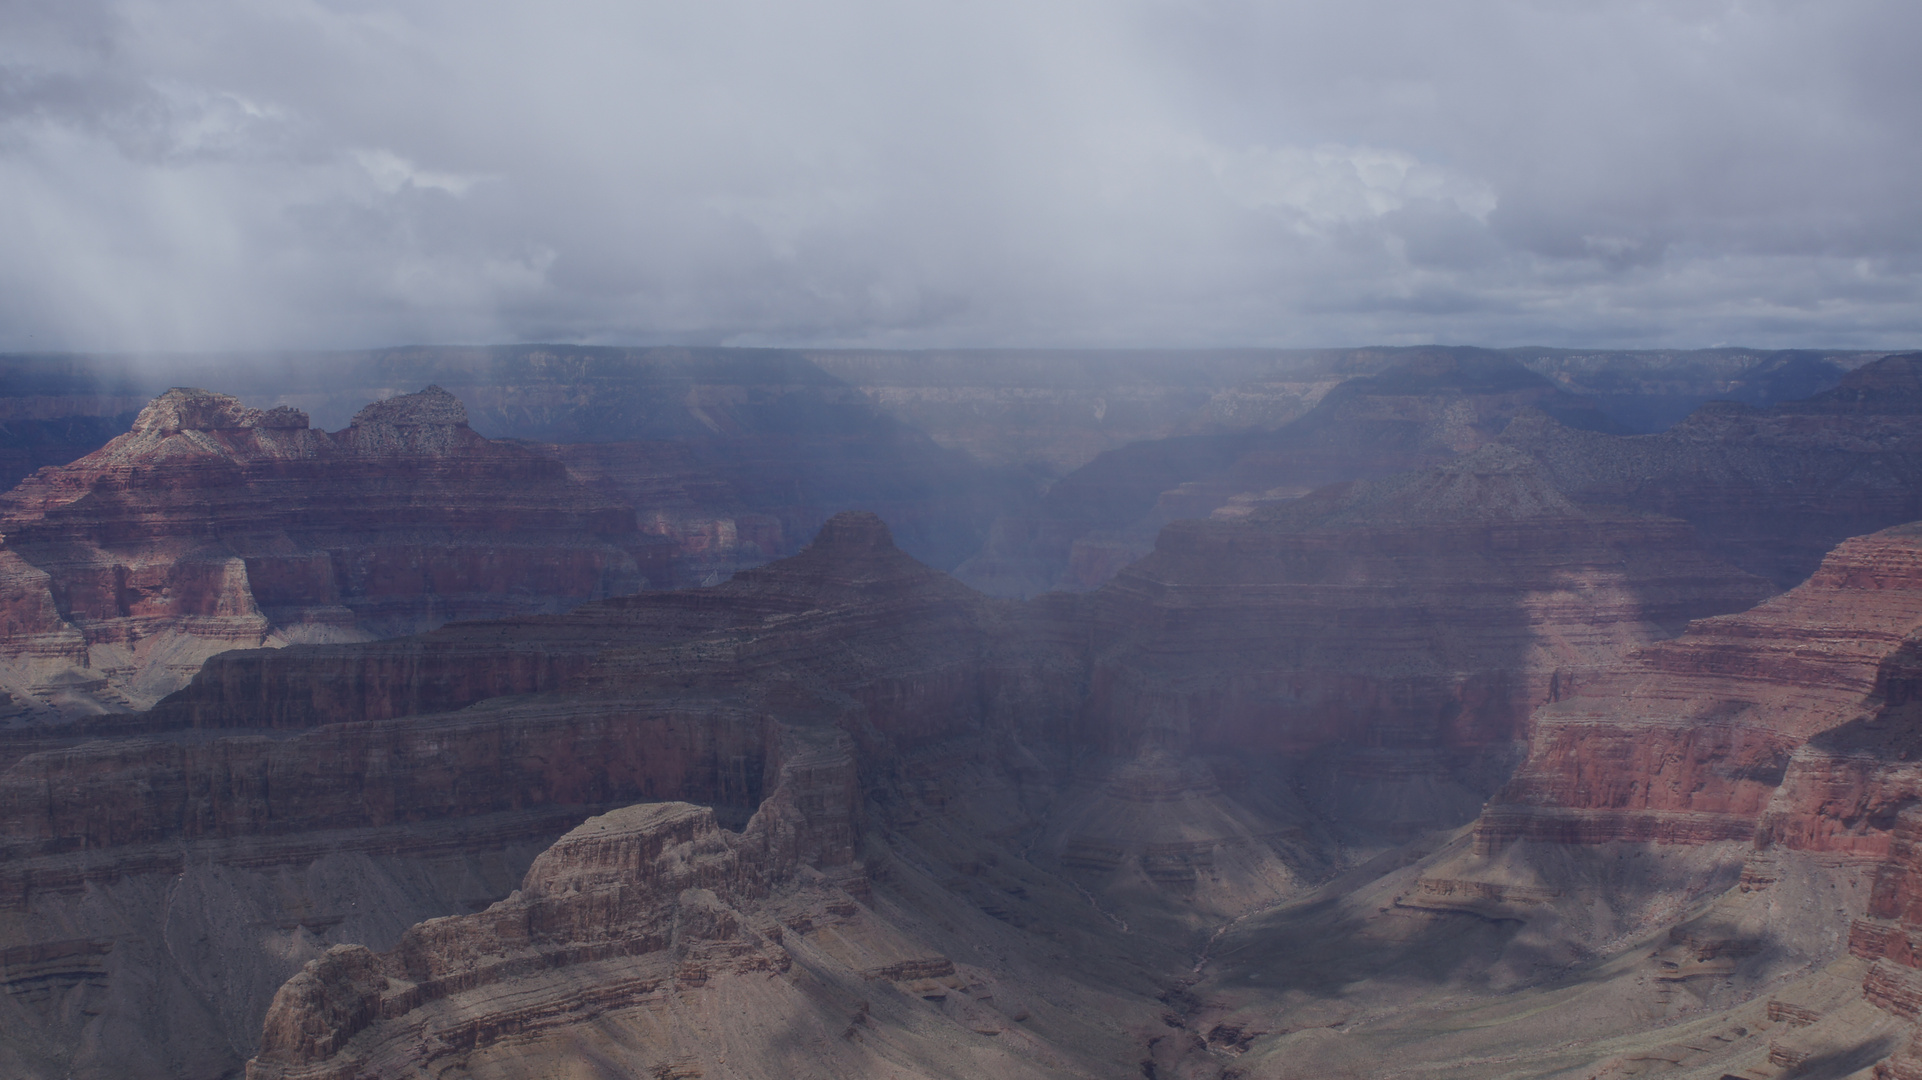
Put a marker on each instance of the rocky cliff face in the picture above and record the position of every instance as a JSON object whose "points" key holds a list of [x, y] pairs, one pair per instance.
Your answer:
{"points": [[1772, 490], [1273, 695], [1705, 866], [1389, 629], [941, 444], [1690, 739], [1424, 409], [789, 441], [452, 743], [637, 911], [211, 526]]}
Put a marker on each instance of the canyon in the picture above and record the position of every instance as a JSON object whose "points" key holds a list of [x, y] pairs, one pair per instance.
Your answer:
{"points": [[1417, 702]]}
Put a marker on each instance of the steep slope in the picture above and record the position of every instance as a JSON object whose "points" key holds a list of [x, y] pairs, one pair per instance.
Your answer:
{"points": [[1275, 698], [1424, 409], [1771, 490], [693, 950], [340, 792], [1421, 614], [789, 440], [1704, 868], [211, 525], [1690, 739]]}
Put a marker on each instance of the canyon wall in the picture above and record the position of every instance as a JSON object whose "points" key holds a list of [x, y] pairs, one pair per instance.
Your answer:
{"points": [[54, 409], [1392, 628], [1772, 490], [1192, 823], [211, 526], [272, 762], [1690, 739], [1420, 410]]}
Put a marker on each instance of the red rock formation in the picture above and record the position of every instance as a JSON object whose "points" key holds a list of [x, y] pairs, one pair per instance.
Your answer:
{"points": [[211, 525], [1430, 610], [1353, 667], [271, 758], [1890, 938], [1689, 740], [654, 695]]}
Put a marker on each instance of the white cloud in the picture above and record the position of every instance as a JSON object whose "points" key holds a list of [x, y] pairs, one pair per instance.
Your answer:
{"points": [[391, 173], [286, 173]]}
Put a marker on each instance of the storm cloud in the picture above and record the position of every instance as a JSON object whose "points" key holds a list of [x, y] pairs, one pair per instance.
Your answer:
{"points": [[241, 174]]}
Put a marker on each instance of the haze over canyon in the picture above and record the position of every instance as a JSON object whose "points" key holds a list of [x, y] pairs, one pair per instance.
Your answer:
{"points": [[1112, 540], [671, 712]]}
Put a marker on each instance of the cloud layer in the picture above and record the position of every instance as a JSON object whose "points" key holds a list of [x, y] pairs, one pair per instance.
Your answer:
{"points": [[236, 174]]}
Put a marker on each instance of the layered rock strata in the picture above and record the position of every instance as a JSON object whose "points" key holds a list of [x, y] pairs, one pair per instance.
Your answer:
{"points": [[1690, 740], [676, 497], [1388, 627], [211, 526], [649, 941], [616, 916], [1771, 490], [1889, 938], [790, 441], [1272, 696], [496, 731], [1422, 410], [1706, 866]]}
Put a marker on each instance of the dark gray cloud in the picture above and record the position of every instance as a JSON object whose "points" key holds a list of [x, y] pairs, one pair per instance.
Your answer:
{"points": [[207, 174]]}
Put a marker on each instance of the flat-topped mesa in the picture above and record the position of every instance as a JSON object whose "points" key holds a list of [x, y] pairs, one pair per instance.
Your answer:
{"points": [[211, 526], [1689, 740], [1426, 610]]}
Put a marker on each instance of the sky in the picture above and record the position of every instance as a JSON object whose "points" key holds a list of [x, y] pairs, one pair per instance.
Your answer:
{"points": [[295, 174]]}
